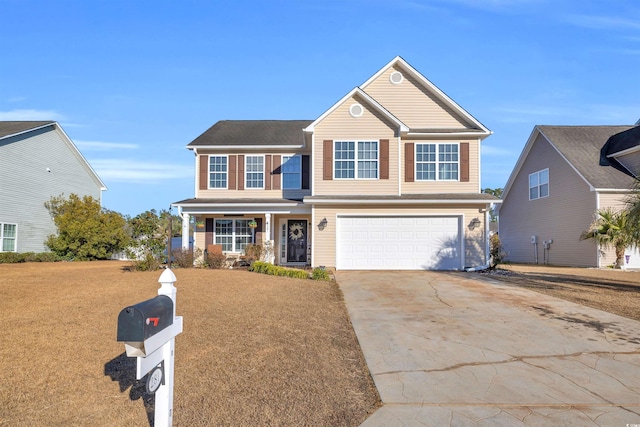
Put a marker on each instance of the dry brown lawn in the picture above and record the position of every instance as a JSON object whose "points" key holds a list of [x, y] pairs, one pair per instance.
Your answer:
{"points": [[256, 350], [614, 291]]}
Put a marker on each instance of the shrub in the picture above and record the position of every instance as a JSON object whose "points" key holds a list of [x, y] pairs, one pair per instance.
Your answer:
{"points": [[15, 257], [183, 258], [148, 262], [275, 270], [320, 274], [496, 252], [214, 260], [253, 253]]}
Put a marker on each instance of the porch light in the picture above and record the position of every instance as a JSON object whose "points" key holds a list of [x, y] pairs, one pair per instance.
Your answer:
{"points": [[475, 222], [322, 224]]}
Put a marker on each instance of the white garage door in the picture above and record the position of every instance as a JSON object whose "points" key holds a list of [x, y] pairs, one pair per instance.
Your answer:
{"points": [[398, 243]]}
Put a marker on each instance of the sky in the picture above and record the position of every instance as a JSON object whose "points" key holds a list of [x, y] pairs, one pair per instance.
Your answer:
{"points": [[133, 82]]}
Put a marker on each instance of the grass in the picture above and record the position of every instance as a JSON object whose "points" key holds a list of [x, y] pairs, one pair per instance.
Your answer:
{"points": [[256, 349]]}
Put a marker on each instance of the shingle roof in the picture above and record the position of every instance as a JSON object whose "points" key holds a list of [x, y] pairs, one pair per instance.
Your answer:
{"points": [[253, 132], [12, 128], [581, 146], [619, 142]]}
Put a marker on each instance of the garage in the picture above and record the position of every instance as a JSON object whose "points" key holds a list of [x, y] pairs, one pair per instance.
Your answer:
{"points": [[398, 243]]}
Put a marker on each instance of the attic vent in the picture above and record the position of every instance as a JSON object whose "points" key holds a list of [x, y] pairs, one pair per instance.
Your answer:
{"points": [[356, 110], [396, 77]]}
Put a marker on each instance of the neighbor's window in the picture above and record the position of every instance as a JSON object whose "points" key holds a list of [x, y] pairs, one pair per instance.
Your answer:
{"points": [[291, 172], [218, 172], [361, 163], [233, 234], [8, 235], [255, 172], [539, 184], [437, 162]]}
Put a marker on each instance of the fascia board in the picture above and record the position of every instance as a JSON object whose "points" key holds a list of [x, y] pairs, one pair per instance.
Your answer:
{"points": [[433, 88], [262, 148], [372, 102], [30, 130], [624, 152], [440, 134], [70, 143], [401, 202]]}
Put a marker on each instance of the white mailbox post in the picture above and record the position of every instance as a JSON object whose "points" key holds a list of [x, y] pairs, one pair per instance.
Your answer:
{"points": [[148, 330]]}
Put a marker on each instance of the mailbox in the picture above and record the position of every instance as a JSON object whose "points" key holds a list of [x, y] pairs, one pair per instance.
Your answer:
{"points": [[137, 324]]}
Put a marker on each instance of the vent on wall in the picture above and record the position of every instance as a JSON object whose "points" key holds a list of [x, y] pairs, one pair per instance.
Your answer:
{"points": [[396, 77], [356, 110]]}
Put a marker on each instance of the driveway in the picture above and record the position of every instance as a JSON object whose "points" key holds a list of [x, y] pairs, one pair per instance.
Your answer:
{"points": [[446, 350]]}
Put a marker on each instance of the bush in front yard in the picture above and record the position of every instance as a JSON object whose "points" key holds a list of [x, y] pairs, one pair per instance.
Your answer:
{"points": [[320, 274], [216, 261], [275, 270], [15, 257], [183, 258]]}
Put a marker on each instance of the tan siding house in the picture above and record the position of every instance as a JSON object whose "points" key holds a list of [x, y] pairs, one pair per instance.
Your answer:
{"points": [[553, 193], [386, 178]]}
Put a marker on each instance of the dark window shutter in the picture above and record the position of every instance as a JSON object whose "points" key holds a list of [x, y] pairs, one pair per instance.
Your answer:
{"points": [[204, 172], [327, 159], [277, 170], [231, 173], [409, 164], [384, 159], [267, 172], [306, 172], [464, 162], [241, 172], [208, 232]]}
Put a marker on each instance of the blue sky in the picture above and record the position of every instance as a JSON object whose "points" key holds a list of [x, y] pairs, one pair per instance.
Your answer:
{"points": [[133, 82]]}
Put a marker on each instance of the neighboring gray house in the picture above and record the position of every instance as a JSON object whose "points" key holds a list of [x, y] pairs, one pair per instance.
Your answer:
{"points": [[552, 195], [37, 161]]}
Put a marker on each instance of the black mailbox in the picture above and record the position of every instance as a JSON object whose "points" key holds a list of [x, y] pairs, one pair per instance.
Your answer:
{"points": [[139, 322]]}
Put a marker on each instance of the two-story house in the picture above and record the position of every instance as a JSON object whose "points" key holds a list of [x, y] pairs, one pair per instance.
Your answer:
{"points": [[38, 161], [386, 178]]}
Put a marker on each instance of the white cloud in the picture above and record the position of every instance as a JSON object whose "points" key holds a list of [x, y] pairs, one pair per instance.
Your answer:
{"points": [[127, 170], [582, 114], [604, 22], [104, 146], [29, 115]]}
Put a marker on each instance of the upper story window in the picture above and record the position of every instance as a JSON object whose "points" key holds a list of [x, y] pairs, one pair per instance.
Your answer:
{"points": [[539, 184], [218, 172], [8, 237], [254, 171], [291, 172], [356, 159], [439, 162]]}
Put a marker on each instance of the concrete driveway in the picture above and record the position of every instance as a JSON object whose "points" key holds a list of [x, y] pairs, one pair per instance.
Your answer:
{"points": [[445, 349]]}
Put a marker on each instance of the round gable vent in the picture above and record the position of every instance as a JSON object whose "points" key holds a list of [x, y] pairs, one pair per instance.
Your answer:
{"points": [[396, 77], [356, 110]]}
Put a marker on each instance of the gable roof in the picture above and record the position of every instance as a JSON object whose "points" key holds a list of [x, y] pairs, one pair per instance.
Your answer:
{"points": [[431, 88], [372, 102], [621, 143], [9, 128], [14, 128], [248, 133], [580, 147]]}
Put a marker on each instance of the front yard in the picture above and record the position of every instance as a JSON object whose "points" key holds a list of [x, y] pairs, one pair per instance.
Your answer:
{"points": [[256, 349]]}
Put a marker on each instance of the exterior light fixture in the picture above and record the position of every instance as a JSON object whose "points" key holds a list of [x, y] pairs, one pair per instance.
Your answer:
{"points": [[322, 224]]}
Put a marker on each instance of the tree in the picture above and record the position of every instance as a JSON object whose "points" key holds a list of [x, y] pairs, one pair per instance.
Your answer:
{"points": [[86, 231], [149, 239], [166, 218], [611, 229], [633, 208], [494, 192]]}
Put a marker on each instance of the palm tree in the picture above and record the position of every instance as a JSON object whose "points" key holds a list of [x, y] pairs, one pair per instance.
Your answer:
{"points": [[633, 208], [611, 230]]}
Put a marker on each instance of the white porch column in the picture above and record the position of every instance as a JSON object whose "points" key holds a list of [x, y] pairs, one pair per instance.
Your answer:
{"points": [[185, 231], [267, 226], [269, 252]]}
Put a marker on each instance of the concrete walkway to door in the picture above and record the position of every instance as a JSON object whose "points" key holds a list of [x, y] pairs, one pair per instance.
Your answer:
{"points": [[447, 350]]}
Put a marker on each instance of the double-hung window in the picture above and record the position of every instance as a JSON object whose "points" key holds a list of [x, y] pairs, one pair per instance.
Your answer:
{"points": [[218, 172], [8, 237], [437, 162], [233, 234], [255, 172], [356, 159], [539, 184], [291, 172]]}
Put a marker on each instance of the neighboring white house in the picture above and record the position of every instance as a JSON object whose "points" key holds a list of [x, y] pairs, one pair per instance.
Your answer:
{"points": [[38, 161]]}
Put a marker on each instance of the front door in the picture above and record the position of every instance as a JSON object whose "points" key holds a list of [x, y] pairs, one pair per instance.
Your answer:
{"points": [[297, 241]]}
